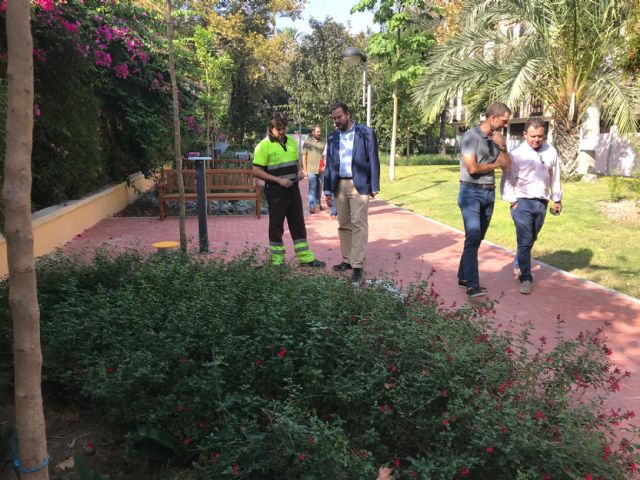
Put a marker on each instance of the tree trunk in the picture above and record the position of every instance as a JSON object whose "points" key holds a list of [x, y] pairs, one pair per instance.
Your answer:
{"points": [[176, 131], [394, 127], [442, 148], [567, 143], [23, 293]]}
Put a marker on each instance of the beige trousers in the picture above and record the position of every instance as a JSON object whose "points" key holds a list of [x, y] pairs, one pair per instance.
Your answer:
{"points": [[353, 223]]}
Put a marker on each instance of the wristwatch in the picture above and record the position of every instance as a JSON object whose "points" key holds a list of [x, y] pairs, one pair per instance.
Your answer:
{"points": [[503, 148]]}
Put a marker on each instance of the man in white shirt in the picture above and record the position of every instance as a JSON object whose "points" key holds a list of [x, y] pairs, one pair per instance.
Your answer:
{"points": [[533, 180]]}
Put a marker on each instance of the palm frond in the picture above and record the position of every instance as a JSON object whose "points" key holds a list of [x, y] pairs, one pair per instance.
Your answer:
{"points": [[618, 100]]}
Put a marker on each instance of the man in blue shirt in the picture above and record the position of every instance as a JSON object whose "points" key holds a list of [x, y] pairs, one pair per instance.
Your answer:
{"points": [[352, 175]]}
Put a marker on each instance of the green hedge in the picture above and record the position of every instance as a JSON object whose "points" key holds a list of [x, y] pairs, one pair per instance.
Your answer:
{"points": [[249, 371]]}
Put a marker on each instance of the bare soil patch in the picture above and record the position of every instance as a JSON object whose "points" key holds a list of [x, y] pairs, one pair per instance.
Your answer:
{"points": [[626, 212]]}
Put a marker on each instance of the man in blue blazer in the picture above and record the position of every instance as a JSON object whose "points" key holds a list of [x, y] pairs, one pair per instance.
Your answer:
{"points": [[352, 175]]}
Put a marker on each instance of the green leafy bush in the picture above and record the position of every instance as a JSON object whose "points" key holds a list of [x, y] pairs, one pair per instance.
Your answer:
{"points": [[256, 372], [616, 184]]}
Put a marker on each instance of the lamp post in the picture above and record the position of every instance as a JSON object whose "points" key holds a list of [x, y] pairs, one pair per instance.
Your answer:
{"points": [[294, 101], [355, 56]]}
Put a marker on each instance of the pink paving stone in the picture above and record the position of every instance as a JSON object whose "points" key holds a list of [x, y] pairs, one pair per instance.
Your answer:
{"points": [[404, 246]]}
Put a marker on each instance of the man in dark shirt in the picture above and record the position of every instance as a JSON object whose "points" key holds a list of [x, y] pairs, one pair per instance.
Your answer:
{"points": [[483, 149]]}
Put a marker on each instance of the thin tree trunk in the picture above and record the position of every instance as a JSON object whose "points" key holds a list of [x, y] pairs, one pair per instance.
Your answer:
{"points": [[394, 126], [567, 142], [23, 293], [176, 131], [442, 148]]}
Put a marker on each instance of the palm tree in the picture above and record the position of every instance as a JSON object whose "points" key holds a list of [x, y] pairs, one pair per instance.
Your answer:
{"points": [[568, 56]]}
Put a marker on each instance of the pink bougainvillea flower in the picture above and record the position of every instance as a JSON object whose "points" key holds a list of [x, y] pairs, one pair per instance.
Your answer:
{"points": [[40, 54], [122, 70], [283, 351], [45, 4], [102, 59], [36, 110]]}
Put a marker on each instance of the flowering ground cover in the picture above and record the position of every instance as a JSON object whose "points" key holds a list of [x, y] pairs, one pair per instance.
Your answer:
{"points": [[242, 370]]}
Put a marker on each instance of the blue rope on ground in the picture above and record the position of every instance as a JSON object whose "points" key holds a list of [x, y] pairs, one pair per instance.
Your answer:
{"points": [[16, 459]]}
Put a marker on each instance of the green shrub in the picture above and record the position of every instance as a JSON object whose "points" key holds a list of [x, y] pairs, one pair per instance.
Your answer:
{"points": [[615, 187], [256, 372]]}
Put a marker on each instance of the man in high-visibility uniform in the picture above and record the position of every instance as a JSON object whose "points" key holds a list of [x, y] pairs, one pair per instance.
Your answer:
{"points": [[276, 162]]}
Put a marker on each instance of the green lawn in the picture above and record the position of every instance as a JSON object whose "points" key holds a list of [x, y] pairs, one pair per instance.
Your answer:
{"points": [[581, 240]]}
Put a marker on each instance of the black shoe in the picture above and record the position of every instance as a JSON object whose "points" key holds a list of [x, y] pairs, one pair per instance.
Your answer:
{"points": [[356, 276], [462, 283], [341, 267], [476, 292], [314, 263]]}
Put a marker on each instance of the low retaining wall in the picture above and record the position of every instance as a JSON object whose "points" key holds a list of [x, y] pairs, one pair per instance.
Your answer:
{"points": [[54, 226]]}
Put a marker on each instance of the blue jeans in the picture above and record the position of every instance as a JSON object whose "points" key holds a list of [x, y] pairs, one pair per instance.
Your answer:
{"points": [[528, 215], [476, 206], [315, 189]]}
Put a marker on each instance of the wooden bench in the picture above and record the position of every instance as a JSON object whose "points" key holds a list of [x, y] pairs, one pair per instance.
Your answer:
{"points": [[222, 184]]}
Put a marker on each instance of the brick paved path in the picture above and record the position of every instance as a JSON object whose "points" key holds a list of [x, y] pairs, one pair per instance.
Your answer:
{"points": [[403, 245]]}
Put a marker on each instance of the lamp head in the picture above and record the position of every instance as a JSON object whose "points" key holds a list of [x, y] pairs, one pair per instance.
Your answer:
{"points": [[354, 56]]}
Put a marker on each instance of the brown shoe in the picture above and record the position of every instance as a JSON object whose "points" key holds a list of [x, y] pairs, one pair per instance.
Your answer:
{"points": [[317, 208], [526, 287]]}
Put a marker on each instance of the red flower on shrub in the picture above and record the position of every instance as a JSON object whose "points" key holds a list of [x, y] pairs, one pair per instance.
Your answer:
{"points": [[484, 338], [396, 462], [234, 469], [607, 452], [180, 408], [393, 368], [309, 440], [201, 424], [215, 456], [182, 360], [632, 467], [110, 370], [549, 360], [186, 441], [501, 388], [509, 351], [464, 472], [445, 422], [258, 362], [547, 476], [588, 477], [301, 457], [539, 415], [413, 474], [489, 449], [282, 352]]}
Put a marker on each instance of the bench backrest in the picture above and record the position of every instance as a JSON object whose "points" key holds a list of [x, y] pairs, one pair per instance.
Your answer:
{"points": [[218, 180]]}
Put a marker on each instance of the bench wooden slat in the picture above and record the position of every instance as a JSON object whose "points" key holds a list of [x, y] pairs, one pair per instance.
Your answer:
{"points": [[222, 184]]}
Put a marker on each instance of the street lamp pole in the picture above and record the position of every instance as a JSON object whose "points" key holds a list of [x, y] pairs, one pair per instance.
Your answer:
{"points": [[355, 56]]}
